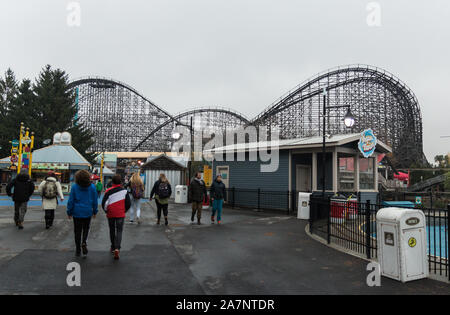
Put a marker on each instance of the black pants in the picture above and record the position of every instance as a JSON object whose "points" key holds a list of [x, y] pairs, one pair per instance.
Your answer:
{"points": [[81, 227], [49, 217], [162, 207], [115, 231]]}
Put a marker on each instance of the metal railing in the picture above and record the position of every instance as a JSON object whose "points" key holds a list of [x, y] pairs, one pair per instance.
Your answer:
{"points": [[352, 225], [259, 199]]}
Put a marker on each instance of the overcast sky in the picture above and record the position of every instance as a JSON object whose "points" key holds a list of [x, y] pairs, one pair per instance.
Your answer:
{"points": [[241, 54]]}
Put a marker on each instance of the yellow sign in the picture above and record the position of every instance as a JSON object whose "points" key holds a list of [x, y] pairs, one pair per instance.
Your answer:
{"points": [[412, 242], [207, 175]]}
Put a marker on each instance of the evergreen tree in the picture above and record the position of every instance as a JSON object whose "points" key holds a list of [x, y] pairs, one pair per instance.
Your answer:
{"points": [[8, 95], [46, 107], [22, 109], [56, 111]]}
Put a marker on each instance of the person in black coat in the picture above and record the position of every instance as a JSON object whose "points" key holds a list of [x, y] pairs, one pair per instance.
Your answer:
{"points": [[162, 192], [23, 189], [196, 194], [217, 194]]}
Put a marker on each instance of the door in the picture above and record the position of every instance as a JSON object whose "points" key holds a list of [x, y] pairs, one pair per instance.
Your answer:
{"points": [[303, 178], [225, 172]]}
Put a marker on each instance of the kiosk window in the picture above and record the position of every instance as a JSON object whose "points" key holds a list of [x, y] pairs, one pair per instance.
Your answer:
{"points": [[346, 172], [367, 173]]}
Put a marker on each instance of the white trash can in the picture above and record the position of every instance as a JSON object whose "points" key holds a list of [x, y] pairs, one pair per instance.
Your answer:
{"points": [[402, 244], [181, 194], [303, 205]]}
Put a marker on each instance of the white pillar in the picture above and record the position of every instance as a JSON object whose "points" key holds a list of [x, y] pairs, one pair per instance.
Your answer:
{"points": [[314, 171], [335, 170], [376, 172], [357, 173]]}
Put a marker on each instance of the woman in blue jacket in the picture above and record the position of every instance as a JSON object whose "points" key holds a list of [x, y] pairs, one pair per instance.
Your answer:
{"points": [[82, 206]]}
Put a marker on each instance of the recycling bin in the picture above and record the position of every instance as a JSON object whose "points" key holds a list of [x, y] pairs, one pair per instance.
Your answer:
{"points": [[181, 194], [303, 205], [402, 243]]}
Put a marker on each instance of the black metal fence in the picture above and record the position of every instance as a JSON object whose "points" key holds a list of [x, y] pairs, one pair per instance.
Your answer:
{"points": [[352, 225], [284, 201]]}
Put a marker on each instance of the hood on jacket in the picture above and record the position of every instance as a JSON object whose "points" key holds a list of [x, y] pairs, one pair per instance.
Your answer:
{"points": [[23, 177], [51, 179]]}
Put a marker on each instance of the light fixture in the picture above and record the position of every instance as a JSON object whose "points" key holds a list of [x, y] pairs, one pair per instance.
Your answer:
{"points": [[176, 135], [349, 120]]}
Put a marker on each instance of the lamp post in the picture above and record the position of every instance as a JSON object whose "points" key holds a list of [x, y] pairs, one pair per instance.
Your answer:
{"points": [[177, 135], [349, 122]]}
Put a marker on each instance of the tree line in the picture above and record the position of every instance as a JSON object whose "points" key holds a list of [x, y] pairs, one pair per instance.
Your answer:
{"points": [[45, 105]]}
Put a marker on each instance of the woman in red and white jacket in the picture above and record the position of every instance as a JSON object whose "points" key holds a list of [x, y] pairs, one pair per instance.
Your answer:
{"points": [[116, 203]]}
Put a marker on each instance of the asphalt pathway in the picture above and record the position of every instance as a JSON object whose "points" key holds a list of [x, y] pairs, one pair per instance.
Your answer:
{"points": [[251, 253]]}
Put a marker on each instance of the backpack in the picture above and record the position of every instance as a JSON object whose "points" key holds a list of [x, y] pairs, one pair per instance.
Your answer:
{"points": [[50, 190], [163, 190], [136, 192]]}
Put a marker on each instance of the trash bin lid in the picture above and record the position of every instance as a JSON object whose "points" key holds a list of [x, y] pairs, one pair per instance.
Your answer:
{"points": [[408, 218]]}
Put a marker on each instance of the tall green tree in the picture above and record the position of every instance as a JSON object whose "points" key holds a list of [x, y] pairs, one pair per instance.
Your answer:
{"points": [[56, 111], [8, 95]]}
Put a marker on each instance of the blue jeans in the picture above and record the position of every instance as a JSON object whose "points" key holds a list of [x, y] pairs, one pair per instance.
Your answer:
{"points": [[217, 206]]}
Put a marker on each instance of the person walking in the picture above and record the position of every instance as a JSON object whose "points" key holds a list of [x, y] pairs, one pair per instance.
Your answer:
{"points": [[217, 194], [82, 206], [99, 188], [196, 195], [136, 190], [116, 203], [50, 189], [162, 192], [20, 189]]}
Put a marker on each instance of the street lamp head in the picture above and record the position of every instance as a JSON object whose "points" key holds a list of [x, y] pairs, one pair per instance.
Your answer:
{"points": [[349, 120], [176, 135]]}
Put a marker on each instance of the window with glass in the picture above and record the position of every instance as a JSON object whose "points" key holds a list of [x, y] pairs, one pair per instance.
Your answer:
{"points": [[366, 173], [346, 172]]}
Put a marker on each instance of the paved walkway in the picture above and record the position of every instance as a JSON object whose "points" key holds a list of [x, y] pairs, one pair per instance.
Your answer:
{"points": [[251, 253]]}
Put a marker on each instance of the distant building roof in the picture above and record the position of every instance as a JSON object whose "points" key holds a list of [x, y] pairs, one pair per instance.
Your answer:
{"points": [[106, 171], [163, 162], [299, 143], [57, 153], [138, 155]]}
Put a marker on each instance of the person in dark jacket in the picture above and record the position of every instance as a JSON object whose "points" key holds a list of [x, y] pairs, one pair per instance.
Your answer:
{"points": [[196, 195], [82, 206], [116, 203], [217, 194], [162, 192], [23, 189]]}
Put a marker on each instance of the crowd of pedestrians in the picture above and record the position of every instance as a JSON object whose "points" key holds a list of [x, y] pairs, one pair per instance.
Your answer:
{"points": [[120, 197]]}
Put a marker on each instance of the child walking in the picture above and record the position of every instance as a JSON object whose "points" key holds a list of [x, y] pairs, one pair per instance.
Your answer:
{"points": [[136, 188], [82, 206], [116, 203]]}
